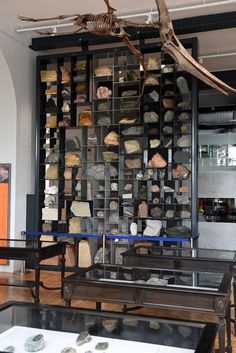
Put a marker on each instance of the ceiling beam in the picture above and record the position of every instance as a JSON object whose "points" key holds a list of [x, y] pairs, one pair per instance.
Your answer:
{"points": [[182, 26]]}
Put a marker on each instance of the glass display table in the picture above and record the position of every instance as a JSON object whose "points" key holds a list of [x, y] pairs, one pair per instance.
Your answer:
{"points": [[61, 326], [31, 250], [195, 292], [209, 260]]}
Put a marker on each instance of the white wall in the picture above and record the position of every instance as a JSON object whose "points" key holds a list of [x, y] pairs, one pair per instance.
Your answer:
{"points": [[17, 102]]}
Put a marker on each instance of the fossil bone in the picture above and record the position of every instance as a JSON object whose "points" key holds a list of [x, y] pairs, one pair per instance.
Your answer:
{"points": [[109, 24]]}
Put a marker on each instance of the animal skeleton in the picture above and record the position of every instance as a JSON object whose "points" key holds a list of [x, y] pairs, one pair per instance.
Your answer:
{"points": [[109, 24]]}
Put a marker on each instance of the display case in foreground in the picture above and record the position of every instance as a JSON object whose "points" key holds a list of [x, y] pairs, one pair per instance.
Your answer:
{"points": [[80, 330]]}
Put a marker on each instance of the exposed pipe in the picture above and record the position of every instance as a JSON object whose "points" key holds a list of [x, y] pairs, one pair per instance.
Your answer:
{"points": [[174, 9]]}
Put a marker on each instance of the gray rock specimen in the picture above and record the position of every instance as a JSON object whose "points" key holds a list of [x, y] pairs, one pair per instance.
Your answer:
{"points": [[34, 343], [168, 130], [183, 199], [114, 218], [104, 120], [154, 95], [113, 205], [101, 346], [98, 172], [98, 258], [185, 93], [114, 230], [104, 106], [153, 228], [151, 117], [53, 157], [133, 131], [92, 140], [185, 214], [184, 116], [157, 282], [128, 187], [169, 116], [84, 337], [100, 214], [10, 349], [53, 190], [155, 200], [168, 189], [68, 350], [114, 187], [181, 157], [156, 212], [179, 232]]}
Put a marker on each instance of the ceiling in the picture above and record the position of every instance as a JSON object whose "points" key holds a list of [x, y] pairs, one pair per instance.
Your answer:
{"points": [[210, 42]]}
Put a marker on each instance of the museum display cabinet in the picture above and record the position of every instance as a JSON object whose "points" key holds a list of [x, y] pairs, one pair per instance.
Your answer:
{"points": [[61, 328], [33, 252], [116, 151], [206, 293]]}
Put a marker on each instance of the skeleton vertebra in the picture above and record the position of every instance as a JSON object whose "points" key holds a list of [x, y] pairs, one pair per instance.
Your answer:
{"points": [[109, 24]]}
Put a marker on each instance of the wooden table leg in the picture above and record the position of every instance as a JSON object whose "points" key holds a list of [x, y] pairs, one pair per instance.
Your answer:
{"points": [[228, 329], [221, 334], [234, 294], [37, 282], [63, 261]]}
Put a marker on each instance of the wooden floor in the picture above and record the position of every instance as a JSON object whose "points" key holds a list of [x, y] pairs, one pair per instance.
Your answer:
{"points": [[52, 279]]}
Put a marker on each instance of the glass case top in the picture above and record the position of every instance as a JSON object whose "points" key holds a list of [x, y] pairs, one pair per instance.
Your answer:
{"points": [[220, 255], [128, 332], [154, 277]]}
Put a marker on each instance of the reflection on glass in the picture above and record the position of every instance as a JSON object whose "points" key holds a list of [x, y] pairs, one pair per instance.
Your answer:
{"points": [[217, 209]]}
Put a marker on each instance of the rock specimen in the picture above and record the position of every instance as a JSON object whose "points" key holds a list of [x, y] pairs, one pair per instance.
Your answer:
{"points": [[168, 103], [51, 122], [157, 161], [114, 187], [53, 190], [109, 156], [179, 232], [184, 188], [114, 218], [10, 349], [153, 63], [133, 163], [50, 106], [67, 174], [103, 92], [104, 120], [143, 210], [151, 80], [150, 117], [181, 157], [129, 93], [155, 188], [185, 331], [34, 343], [65, 75], [85, 118], [156, 212], [185, 214], [113, 205], [65, 122], [104, 106], [169, 116], [155, 143], [80, 209], [101, 346], [84, 337], [98, 258], [132, 146], [52, 158], [133, 228], [109, 324], [130, 322], [154, 95], [168, 189], [155, 200], [81, 88], [154, 325], [68, 350], [52, 173], [80, 99], [183, 141], [50, 200], [3, 175], [92, 140], [72, 159], [127, 121], [103, 70], [170, 214], [112, 138], [75, 225], [48, 75], [98, 172], [157, 282], [184, 116], [65, 107], [73, 144], [46, 227], [180, 172], [133, 131], [167, 142], [183, 199], [128, 187], [184, 129], [153, 228], [185, 93], [168, 130]]}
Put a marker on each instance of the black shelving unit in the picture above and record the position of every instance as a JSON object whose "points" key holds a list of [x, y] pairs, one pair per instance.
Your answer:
{"points": [[73, 182]]}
